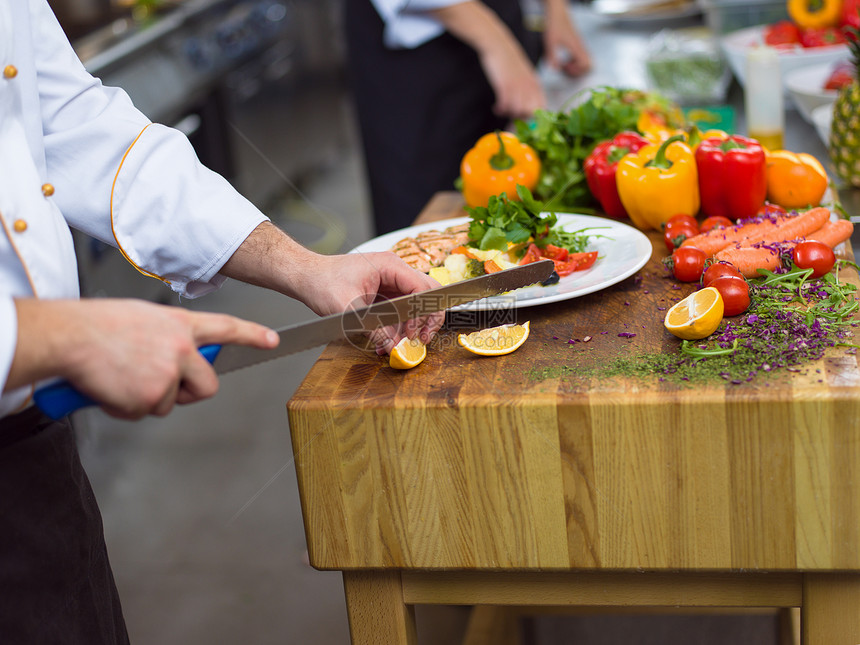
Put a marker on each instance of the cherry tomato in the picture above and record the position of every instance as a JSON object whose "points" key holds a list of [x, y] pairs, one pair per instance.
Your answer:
{"points": [[771, 210], [674, 235], [718, 270], [682, 218], [814, 255], [688, 263], [716, 221], [735, 292]]}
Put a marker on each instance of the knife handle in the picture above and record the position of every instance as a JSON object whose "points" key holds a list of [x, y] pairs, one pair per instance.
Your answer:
{"points": [[60, 398]]}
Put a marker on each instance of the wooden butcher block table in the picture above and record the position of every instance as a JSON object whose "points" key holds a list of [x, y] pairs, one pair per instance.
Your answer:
{"points": [[468, 481]]}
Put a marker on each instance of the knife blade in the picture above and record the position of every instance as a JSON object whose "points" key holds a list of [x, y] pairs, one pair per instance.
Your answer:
{"points": [[60, 398]]}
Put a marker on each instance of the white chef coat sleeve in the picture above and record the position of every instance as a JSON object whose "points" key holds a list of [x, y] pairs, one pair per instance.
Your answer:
{"points": [[407, 23], [136, 185]]}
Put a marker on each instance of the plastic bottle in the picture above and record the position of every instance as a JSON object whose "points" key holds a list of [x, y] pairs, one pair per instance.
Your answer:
{"points": [[763, 97]]}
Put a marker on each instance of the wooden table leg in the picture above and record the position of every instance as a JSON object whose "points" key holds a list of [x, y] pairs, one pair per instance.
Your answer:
{"points": [[377, 613], [830, 614], [493, 625]]}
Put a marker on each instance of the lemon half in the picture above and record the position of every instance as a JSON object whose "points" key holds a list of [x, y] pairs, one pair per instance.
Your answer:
{"points": [[407, 354], [495, 341], [696, 316]]}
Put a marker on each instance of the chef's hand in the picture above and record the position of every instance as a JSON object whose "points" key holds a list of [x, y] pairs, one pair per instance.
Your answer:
{"points": [[563, 46], [133, 357], [359, 279], [512, 76], [330, 284]]}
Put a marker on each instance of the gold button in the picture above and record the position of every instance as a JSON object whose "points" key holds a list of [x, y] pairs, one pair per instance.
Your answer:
{"points": [[20, 226], [47, 190], [10, 71]]}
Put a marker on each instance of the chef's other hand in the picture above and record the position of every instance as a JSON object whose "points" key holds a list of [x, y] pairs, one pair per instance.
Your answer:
{"points": [[563, 46], [133, 357]]}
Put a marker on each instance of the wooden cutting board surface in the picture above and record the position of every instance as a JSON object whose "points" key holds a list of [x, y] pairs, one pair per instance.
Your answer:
{"points": [[581, 332]]}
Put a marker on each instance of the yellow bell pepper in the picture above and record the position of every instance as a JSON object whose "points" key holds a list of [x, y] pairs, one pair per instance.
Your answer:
{"points": [[808, 14], [497, 163], [795, 179], [657, 182]]}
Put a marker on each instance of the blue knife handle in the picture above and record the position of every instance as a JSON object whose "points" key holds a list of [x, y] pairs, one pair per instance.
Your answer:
{"points": [[60, 399]]}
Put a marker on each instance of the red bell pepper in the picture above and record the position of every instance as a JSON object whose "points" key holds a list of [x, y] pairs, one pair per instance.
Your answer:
{"points": [[850, 14], [732, 176], [600, 168]]}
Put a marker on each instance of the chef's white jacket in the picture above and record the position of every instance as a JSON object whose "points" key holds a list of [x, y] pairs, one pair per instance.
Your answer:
{"points": [[76, 153]]}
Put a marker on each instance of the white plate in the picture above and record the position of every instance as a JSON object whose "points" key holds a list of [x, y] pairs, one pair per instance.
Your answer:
{"points": [[621, 253], [806, 86]]}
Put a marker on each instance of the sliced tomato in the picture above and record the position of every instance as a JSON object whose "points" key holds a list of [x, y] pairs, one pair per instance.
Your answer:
{"points": [[533, 254], [575, 262], [555, 252]]}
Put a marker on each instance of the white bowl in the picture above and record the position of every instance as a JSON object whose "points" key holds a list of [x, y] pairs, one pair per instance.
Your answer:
{"points": [[806, 87], [821, 119], [736, 44]]}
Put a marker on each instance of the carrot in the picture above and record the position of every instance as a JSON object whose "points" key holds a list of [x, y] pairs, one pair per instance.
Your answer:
{"points": [[464, 250], [793, 228], [833, 233], [718, 239], [748, 259], [491, 266]]}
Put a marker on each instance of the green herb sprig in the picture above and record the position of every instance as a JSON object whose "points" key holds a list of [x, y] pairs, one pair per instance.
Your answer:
{"points": [[506, 221]]}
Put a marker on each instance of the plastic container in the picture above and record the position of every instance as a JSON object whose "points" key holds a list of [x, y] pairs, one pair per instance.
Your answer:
{"points": [[723, 16], [686, 65], [763, 98]]}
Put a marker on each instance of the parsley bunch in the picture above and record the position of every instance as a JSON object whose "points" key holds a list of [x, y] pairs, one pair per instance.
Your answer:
{"points": [[506, 221], [563, 140]]}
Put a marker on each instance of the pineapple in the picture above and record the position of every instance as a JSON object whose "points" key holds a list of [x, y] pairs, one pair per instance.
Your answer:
{"points": [[845, 129]]}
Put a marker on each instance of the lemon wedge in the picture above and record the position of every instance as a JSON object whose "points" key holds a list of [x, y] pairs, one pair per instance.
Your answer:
{"points": [[696, 316], [407, 354], [495, 341]]}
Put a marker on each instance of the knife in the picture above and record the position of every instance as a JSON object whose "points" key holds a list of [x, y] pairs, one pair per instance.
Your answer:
{"points": [[60, 398]]}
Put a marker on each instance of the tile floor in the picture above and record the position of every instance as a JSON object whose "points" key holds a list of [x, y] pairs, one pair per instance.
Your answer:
{"points": [[201, 508]]}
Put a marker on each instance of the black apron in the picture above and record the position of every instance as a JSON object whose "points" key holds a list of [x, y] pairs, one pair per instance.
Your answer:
{"points": [[56, 584], [419, 110]]}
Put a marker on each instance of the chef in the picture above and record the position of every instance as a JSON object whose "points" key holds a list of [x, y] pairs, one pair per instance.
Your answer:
{"points": [[430, 77], [75, 153]]}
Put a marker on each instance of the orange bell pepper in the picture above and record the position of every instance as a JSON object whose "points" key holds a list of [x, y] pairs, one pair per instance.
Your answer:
{"points": [[795, 180], [497, 164], [815, 13]]}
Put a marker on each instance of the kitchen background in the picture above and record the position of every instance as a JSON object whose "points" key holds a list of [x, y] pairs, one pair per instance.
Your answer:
{"points": [[201, 509]]}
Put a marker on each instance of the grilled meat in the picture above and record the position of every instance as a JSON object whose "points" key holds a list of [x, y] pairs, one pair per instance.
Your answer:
{"points": [[430, 248]]}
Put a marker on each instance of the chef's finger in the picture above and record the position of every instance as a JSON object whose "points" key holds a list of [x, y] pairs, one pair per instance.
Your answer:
{"points": [[199, 381], [385, 338], [432, 324], [224, 329]]}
